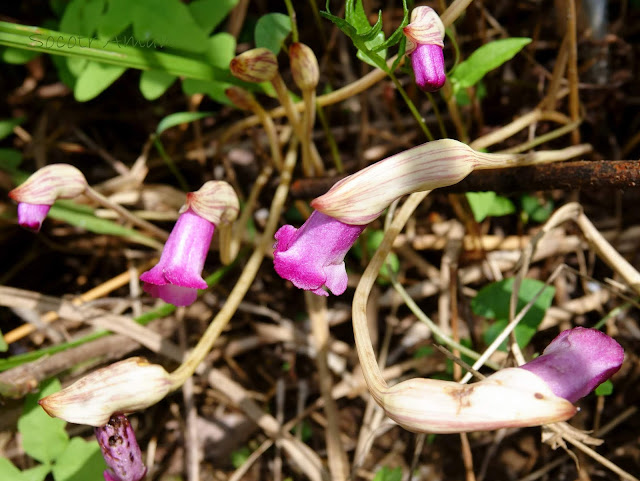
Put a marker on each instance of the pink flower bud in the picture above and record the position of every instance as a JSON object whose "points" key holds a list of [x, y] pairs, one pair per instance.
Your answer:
{"points": [[304, 66], [124, 386], [256, 65], [241, 98], [577, 361], [425, 35], [38, 193], [120, 450], [312, 257]]}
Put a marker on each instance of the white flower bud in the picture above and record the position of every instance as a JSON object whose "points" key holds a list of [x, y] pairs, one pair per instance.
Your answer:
{"points": [[123, 387]]}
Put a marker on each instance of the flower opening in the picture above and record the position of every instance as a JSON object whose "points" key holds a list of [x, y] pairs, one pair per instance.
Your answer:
{"points": [[178, 276], [577, 361], [312, 257]]}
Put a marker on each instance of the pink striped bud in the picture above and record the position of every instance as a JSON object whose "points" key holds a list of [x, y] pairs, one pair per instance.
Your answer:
{"points": [[256, 65]]}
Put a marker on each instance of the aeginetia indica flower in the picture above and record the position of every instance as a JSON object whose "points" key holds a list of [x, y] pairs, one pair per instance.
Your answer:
{"points": [[120, 450], [425, 35], [178, 275], [312, 257], [539, 392], [122, 387], [38, 193]]}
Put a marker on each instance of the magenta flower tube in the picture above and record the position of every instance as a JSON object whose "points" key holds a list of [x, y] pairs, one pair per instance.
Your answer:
{"points": [[178, 276], [428, 67], [31, 216], [577, 361], [312, 257], [120, 450]]}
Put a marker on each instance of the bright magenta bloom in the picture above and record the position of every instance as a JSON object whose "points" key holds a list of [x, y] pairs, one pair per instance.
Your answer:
{"points": [[120, 450], [312, 257], [577, 361], [31, 216], [428, 67], [178, 276], [425, 36]]}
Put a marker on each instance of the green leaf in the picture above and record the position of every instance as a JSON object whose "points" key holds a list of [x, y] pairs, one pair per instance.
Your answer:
{"points": [[37, 473], [271, 31], [493, 300], [221, 48], [536, 209], [485, 59], [17, 56], [209, 13], [4, 347], [605, 389], [81, 461], [8, 472], [153, 83], [375, 56], [43, 437], [115, 19], [69, 213], [388, 474], [179, 118], [6, 126], [240, 456], [215, 90], [168, 22], [95, 78], [489, 204], [81, 17]]}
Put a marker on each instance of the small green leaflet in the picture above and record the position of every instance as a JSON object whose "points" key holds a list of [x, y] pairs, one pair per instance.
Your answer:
{"points": [[489, 204], [485, 59], [492, 301], [271, 31]]}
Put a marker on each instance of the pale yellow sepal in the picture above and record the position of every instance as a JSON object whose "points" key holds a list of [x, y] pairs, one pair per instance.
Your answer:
{"points": [[46, 185], [511, 397], [255, 65], [425, 28], [123, 387], [361, 197], [215, 201]]}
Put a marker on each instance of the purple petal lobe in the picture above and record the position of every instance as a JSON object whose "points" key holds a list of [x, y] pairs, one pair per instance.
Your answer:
{"points": [[428, 67], [577, 361], [179, 271], [32, 215], [312, 257], [120, 450]]}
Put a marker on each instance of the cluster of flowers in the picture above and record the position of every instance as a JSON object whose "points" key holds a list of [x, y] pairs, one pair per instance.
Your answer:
{"points": [[312, 258]]}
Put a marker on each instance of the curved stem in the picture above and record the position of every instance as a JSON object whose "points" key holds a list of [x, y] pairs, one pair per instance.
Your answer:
{"points": [[371, 370], [125, 214], [219, 322]]}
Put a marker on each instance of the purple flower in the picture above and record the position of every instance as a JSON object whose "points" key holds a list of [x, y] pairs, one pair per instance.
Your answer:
{"points": [[120, 450], [428, 67], [32, 215], [178, 276], [425, 36], [312, 257], [577, 361]]}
